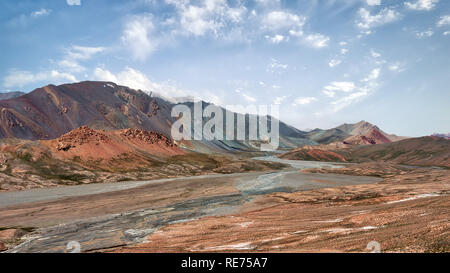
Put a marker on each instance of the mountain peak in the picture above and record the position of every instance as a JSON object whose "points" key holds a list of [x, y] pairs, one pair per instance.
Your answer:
{"points": [[364, 123]]}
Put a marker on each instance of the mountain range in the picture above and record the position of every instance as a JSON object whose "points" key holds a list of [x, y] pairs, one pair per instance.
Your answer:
{"points": [[91, 132], [51, 111]]}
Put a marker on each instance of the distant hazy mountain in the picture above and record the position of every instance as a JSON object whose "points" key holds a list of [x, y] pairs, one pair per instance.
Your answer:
{"points": [[359, 133], [11, 95], [446, 136], [426, 151], [422, 151]]}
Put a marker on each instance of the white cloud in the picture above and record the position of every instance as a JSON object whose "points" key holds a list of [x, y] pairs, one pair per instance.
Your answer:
{"points": [[329, 93], [358, 93], [443, 21], [41, 12], [304, 100], [446, 33], [373, 2], [279, 100], [422, 4], [276, 67], [367, 21], [137, 80], [24, 20], [347, 100], [344, 51], [317, 40], [277, 38], [286, 25], [424, 34], [375, 54], [373, 75], [353, 93], [334, 63], [71, 65], [137, 37], [20, 78], [277, 20], [128, 77], [248, 98], [296, 33], [195, 21], [209, 16], [83, 52], [75, 54], [339, 86], [267, 3], [396, 67], [73, 2]]}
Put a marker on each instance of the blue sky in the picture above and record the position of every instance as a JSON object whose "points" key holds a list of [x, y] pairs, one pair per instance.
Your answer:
{"points": [[324, 62]]}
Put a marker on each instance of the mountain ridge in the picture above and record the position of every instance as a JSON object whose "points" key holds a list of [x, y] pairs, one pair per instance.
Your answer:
{"points": [[51, 111], [11, 95]]}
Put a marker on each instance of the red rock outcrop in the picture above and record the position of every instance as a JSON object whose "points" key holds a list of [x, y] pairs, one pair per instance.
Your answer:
{"points": [[146, 136], [89, 144], [80, 136]]}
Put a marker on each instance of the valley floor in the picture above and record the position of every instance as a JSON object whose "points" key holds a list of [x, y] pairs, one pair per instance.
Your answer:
{"points": [[293, 210]]}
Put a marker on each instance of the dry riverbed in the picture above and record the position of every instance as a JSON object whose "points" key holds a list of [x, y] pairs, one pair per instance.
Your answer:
{"points": [[290, 210]]}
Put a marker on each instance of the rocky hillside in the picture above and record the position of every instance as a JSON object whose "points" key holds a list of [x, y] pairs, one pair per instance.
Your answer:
{"points": [[446, 136], [371, 136], [85, 155], [312, 154], [89, 144], [423, 151], [359, 133], [51, 111]]}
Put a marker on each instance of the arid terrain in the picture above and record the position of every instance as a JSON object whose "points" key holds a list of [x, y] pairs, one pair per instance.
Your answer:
{"points": [[107, 176], [300, 209], [85, 156], [406, 212]]}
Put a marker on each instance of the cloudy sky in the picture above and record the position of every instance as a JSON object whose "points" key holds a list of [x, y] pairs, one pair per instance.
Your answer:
{"points": [[324, 62]]}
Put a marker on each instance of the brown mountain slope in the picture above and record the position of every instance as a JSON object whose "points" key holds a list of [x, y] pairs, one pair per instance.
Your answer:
{"points": [[312, 154], [85, 156], [359, 133], [423, 151], [51, 111], [372, 136]]}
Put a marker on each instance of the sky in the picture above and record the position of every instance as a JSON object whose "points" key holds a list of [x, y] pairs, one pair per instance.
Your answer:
{"points": [[324, 62]]}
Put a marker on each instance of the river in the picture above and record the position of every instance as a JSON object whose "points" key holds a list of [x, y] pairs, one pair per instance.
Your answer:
{"points": [[134, 226]]}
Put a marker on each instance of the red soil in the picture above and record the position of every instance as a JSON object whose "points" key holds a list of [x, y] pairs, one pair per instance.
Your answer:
{"points": [[89, 144]]}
